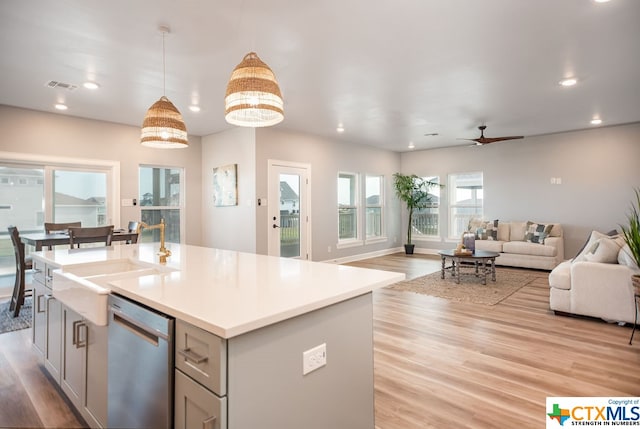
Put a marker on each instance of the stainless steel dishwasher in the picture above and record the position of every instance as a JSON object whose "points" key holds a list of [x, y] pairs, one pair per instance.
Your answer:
{"points": [[140, 366]]}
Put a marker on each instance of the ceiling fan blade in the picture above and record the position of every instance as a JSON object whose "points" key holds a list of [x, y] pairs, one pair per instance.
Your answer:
{"points": [[487, 140]]}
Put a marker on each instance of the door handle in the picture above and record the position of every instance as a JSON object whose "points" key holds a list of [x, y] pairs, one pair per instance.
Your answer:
{"points": [[275, 226]]}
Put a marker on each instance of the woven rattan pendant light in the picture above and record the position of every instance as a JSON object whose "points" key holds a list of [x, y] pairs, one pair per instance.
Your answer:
{"points": [[253, 96], [163, 126]]}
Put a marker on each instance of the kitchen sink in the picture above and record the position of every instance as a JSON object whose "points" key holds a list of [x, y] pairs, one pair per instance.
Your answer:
{"points": [[85, 287]]}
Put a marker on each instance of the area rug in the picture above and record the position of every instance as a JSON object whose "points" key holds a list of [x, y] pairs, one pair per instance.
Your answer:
{"points": [[470, 288], [9, 323]]}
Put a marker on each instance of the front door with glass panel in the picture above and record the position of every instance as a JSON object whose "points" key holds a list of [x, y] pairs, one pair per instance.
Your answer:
{"points": [[288, 211]]}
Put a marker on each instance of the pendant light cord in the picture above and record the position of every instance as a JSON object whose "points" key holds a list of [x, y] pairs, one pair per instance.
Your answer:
{"points": [[164, 73]]}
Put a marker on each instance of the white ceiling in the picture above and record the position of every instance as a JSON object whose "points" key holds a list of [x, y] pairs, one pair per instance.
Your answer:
{"points": [[390, 71]]}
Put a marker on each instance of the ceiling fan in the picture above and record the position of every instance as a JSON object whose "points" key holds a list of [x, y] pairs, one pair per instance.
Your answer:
{"points": [[482, 140]]}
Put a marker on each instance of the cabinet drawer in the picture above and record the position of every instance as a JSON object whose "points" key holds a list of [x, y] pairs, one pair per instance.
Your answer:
{"points": [[196, 407], [202, 356], [39, 270]]}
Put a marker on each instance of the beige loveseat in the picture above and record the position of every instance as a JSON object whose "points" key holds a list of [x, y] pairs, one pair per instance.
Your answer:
{"points": [[521, 244], [597, 282]]}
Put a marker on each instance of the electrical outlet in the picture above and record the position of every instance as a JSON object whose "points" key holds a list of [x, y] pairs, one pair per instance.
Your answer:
{"points": [[314, 358]]}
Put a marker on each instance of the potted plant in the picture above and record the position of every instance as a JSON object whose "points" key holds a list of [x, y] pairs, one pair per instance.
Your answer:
{"points": [[631, 235], [413, 191]]}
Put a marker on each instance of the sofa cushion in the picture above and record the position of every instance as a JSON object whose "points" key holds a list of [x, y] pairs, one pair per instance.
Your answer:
{"points": [[517, 231], [525, 248], [489, 245], [560, 276], [504, 230], [537, 232]]}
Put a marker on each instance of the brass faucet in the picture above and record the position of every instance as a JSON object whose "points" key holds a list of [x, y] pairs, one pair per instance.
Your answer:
{"points": [[163, 252]]}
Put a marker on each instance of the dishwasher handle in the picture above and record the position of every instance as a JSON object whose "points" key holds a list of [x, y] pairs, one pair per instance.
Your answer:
{"points": [[137, 327]]}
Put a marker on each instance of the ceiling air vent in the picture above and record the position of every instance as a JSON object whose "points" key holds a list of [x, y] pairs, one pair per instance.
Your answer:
{"points": [[61, 85]]}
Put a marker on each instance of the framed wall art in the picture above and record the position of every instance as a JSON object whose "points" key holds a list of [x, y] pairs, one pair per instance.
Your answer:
{"points": [[225, 185]]}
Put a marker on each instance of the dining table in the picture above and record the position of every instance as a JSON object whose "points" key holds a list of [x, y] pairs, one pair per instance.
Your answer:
{"points": [[40, 239]]}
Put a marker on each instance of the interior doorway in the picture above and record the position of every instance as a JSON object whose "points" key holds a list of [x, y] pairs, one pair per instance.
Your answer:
{"points": [[288, 220]]}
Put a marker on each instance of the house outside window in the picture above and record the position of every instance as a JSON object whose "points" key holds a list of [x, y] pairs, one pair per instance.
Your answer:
{"points": [[161, 191], [347, 207], [465, 201], [374, 199], [426, 220]]}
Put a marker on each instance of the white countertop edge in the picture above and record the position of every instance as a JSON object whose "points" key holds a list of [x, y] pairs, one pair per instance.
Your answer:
{"points": [[255, 323]]}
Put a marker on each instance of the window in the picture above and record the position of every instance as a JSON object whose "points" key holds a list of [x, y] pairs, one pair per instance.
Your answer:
{"points": [[374, 199], [161, 198], [465, 201], [347, 206], [426, 220], [80, 196]]}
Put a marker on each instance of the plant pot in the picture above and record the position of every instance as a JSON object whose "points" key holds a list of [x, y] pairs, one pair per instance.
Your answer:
{"points": [[408, 248], [635, 279]]}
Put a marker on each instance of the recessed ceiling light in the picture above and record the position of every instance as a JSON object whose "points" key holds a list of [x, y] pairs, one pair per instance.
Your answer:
{"points": [[340, 128], [601, 1], [569, 81], [194, 108], [91, 85], [411, 145], [596, 121], [61, 106]]}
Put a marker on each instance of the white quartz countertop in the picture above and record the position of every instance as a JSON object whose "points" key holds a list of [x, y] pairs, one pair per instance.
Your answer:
{"points": [[225, 292]]}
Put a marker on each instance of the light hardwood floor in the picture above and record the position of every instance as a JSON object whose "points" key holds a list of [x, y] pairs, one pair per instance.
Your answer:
{"points": [[438, 363], [443, 364]]}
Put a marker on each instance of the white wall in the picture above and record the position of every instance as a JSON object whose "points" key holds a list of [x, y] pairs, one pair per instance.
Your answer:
{"points": [[326, 158], [231, 227], [43, 133], [599, 168]]}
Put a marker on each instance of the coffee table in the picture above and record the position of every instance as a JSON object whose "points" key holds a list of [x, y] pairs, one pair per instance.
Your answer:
{"points": [[483, 261]]}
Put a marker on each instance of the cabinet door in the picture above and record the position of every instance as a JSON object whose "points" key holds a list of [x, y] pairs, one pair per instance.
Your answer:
{"points": [[197, 407], [72, 356], [39, 318], [95, 375], [53, 351]]}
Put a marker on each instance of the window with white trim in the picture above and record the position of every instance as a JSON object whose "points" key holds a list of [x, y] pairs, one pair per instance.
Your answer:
{"points": [[425, 220], [374, 203], [465, 201], [347, 207], [161, 197]]}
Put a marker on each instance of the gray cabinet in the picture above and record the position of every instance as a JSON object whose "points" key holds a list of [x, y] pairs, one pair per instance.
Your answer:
{"points": [[53, 350], [83, 375], [197, 407], [39, 320], [200, 379]]}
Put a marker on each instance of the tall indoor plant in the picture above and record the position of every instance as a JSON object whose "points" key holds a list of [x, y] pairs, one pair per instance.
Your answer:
{"points": [[631, 233], [413, 191]]}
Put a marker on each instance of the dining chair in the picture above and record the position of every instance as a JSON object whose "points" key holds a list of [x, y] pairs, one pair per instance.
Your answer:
{"points": [[50, 227], [23, 263], [97, 234]]}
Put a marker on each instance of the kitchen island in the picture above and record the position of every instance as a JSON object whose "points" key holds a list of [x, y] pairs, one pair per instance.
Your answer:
{"points": [[292, 339]]}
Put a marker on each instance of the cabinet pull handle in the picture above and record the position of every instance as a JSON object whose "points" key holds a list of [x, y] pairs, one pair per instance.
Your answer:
{"points": [[38, 305], [208, 422], [192, 356], [76, 334]]}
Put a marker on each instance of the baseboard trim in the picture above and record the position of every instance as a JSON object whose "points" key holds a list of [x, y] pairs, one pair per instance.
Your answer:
{"points": [[384, 252]]}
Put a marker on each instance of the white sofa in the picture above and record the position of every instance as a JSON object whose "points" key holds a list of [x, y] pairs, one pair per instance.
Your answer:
{"points": [[594, 284], [510, 240]]}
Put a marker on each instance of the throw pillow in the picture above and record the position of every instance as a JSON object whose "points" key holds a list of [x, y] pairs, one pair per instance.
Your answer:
{"points": [[625, 258], [593, 236], [604, 250], [486, 230], [537, 232]]}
